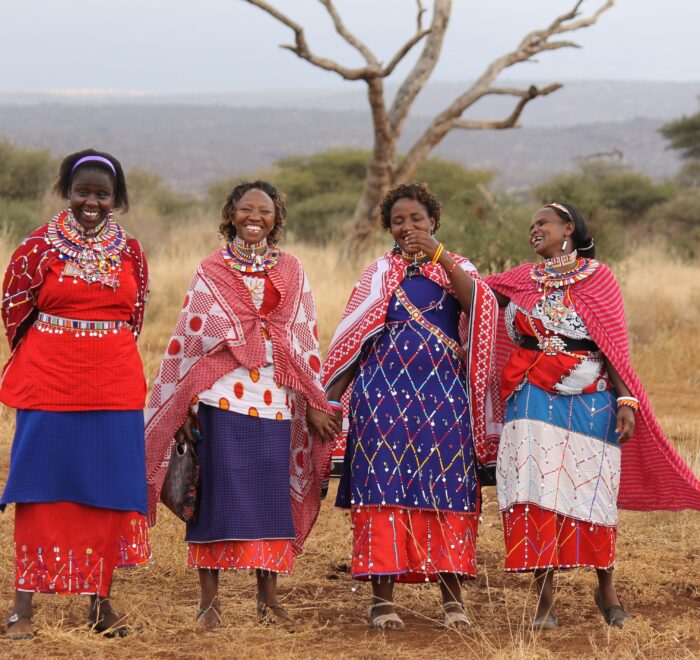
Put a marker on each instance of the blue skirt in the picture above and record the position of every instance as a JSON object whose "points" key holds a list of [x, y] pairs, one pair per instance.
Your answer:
{"points": [[245, 491], [95, 458]]}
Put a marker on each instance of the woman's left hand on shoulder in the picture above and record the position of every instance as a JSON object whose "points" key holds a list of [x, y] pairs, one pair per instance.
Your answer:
{"points": [[625, 423], [322, 424]]}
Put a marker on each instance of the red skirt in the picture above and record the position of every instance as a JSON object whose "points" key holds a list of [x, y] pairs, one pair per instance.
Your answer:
{"points": [[273, 555], [69, 548], [412, 545], [537, 539]]}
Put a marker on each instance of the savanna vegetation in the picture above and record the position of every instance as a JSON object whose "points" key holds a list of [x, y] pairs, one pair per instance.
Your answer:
{"points": [[639, 223]]}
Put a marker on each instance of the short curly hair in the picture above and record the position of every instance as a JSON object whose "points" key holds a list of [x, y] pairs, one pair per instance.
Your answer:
{"points": [[418, 191], [228, 230]]}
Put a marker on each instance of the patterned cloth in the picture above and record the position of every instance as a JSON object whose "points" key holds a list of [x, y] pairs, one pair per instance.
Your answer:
{"points": [[653, 475], [365, 316], [244, 478], [67, 548], [539, 539], [412, 545], [254, 391], [95, 458], [275, 556], [560, 452], [218, 330], [409, 442], [25, 276]]}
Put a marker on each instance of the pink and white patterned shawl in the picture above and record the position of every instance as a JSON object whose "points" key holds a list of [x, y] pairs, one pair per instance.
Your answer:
{"points": [[654, 476], [219, 329], [365, 314]]}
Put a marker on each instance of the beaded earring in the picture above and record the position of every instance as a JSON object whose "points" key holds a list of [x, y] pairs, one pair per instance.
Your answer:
{"points": [[564, 244], [396, 247]]}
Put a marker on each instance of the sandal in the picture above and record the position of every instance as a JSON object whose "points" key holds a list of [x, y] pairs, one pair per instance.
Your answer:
{"points": [[545, 622], [615, 615], [210, 621], [117, 628], [24, 627], [380, 621], [455, 619], [275, 614]]}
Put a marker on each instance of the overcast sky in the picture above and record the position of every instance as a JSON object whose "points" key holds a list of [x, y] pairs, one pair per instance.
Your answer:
{"points": [[229, 46]]}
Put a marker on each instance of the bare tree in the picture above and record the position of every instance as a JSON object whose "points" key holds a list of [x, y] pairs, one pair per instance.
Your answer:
{"points": [[386, 167]]}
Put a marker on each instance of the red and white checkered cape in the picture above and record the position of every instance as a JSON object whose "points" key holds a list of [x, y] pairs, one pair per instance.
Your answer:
{"points": [[654, 476], [364, 317], [217, 331]]}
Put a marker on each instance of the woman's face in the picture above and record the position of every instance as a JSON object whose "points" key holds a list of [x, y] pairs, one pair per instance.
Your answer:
{"points": [[548, 232], [91, 197], [408, 215], [254, 216]]}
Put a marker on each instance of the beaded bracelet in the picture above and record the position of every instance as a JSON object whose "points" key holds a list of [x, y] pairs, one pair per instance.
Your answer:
{"points": [[437, 254], [335, 405], [629, 401]]}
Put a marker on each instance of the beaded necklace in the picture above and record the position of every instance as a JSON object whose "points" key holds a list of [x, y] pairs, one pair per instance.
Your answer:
{"points": [[92, 256], [243, 257], [415, 258]]}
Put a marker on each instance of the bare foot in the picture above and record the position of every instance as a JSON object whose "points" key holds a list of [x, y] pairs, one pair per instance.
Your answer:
{"points": [[277, 615], [105, 621], [19, 627]]}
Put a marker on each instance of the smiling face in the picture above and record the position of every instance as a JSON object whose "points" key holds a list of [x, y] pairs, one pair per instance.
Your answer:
{"points": [[254, 216], [547, 234], [408, 215], [91, 197]]}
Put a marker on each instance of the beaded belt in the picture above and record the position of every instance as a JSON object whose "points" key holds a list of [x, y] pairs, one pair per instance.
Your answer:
{"points": [[557, 344], [58, 325]]}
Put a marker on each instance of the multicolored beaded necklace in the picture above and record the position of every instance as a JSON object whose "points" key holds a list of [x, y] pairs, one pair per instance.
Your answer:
{"points": [[546, 277], [243, 257], [92, 256]]}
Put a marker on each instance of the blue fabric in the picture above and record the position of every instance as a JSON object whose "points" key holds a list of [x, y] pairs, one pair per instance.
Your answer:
{"points": [[96, 458], [593, 414], [410, 441], [244, 490]]}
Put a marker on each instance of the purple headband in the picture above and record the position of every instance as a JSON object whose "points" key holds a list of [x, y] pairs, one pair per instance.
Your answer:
{"points": [[99, 159]]}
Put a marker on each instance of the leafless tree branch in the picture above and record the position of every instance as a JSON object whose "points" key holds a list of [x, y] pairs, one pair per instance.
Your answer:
{"points": [[301, 47], [343, 31], [419, 18], [402, 52]]}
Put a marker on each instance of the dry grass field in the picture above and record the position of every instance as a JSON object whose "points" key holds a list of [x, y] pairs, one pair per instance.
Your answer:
{"points": [[658, 570]]}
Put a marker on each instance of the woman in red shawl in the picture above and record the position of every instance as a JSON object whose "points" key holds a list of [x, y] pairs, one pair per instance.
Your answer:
{"points": [[243, 366], [411, 359], [72, 304], [578, 435]]}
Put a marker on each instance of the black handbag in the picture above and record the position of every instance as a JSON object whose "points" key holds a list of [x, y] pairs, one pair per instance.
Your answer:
{"points": [[180, 491]]}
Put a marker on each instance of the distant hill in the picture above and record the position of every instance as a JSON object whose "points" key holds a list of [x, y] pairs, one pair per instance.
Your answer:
{"points": [[191, 144]]}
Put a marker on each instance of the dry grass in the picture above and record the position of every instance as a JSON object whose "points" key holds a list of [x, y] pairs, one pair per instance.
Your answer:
{"points": [[659, 556]]}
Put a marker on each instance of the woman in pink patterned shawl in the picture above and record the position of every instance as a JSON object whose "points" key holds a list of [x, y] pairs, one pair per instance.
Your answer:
{"points": [[579, 439], [243, 368]]}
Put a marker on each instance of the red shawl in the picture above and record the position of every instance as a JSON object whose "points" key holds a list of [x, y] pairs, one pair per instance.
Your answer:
{"points": [[25, 275], [365, 314], [219, 330], [654, 476]]}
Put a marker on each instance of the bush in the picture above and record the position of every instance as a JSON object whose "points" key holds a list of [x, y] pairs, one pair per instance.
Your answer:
{"points": [[679, 220], [24, 174]]}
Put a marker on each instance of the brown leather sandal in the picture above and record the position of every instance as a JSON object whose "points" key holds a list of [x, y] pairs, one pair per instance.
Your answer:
{"points": [[275, 614], [210, 622]]}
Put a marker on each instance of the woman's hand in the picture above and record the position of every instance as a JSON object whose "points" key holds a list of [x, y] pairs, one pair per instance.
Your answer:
{"points": [[184, 433], [421, 241], [625, 423], [322, 424]]}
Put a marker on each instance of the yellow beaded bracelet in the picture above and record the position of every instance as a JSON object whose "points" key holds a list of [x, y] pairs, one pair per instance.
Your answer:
{"points": [[437, 254]]}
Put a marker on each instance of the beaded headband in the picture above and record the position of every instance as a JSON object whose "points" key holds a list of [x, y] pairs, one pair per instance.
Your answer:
{"points": [[561, 208], [99, 159]]}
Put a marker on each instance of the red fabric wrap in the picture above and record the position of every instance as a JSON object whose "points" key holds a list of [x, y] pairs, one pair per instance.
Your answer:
{"points": [[218, 330], [654, 476], [25, 274], [364, 317]]}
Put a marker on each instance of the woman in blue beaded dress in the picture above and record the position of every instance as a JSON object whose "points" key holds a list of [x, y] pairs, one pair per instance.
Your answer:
{"points": [[409, 357]]}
